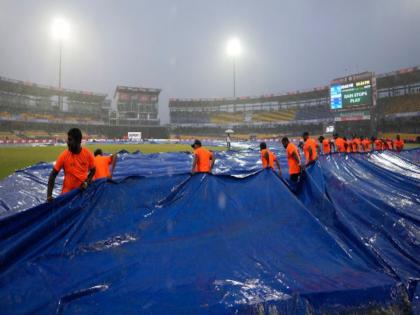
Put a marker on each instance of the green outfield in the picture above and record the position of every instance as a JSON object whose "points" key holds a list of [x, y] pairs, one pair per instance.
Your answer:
{"points": [[14, 158]]}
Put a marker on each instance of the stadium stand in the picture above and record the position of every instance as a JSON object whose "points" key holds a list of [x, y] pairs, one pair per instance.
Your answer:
{"points": [[228, 118], [401, 104], [398, 109], [8, 135], [274, 116], [191, 117], [316, 112], [35, 111], [35, 134], [26, 106]]}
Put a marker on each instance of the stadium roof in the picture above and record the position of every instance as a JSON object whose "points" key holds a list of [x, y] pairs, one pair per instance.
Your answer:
{"points": [[128, 89], [318, 92], [30, 88], [387, 80], [400, 77]]}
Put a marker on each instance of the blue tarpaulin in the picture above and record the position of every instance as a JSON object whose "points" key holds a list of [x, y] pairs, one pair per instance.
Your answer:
{"points": [[157, 240]]}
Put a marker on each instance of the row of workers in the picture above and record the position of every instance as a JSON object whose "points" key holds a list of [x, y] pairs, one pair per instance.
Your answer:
{"points": [[362, 144], [204, 160], [81, 166]]}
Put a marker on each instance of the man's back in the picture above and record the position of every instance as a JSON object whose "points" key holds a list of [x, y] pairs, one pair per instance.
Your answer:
{"points": [[310, 144], [357, 143], [399, 145], [102, 166], [203, 157], [349, 147], [326, 148], [366, 145], [340, 144], [294, 166], [271, 158]]}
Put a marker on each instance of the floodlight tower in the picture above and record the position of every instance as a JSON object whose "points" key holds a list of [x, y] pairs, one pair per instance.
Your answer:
{"points": [[234, 50], [60, 30]]}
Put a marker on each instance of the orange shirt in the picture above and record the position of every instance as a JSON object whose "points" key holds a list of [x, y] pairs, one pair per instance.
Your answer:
{"points": [[310, 143], [356, 144], [294, 167], [399, 145], [378, 144], [349, 146], [203, 157], [326, 148], [366, 145], [339, 144], [389, 144], [271, 158], [76, 168], [102, 166]]}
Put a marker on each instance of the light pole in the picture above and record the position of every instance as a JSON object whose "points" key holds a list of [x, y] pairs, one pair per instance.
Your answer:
{"points": [[234, 50], [59, 64], [60, 30], [234, 76]]}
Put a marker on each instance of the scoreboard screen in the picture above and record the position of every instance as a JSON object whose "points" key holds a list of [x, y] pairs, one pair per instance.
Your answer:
{"points": [[351, 94]]}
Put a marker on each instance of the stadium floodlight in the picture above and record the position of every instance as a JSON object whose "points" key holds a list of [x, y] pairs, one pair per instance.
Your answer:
{"points": [[60, 30], [233, 50]]}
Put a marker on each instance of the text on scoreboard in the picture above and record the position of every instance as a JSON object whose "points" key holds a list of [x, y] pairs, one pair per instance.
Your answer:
{"points": [[357, 93]]}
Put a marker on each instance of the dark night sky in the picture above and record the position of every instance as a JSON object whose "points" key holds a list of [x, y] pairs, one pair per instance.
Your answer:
{"points": [[179, 46]]}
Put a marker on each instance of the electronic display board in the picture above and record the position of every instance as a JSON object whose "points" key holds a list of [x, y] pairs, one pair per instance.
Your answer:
{"points": [[350, 92]]}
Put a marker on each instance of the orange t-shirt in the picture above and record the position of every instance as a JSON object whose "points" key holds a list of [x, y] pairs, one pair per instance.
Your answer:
{"points": [[366, 145], [203, 157], [294, 167], [76, 168], [102, 166], [389, 144], [271, 158], [349, 146], [339, 144], [310, 143], [356, 145], [326, 146], [399, 145], [378, 144]]}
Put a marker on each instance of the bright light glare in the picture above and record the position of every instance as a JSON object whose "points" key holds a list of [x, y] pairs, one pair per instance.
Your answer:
{"points": [[234, 47], [60, 29]]}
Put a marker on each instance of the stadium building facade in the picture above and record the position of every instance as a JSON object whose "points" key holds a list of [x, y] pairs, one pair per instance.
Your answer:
{"points": [[135, 106], [395, 108]]}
